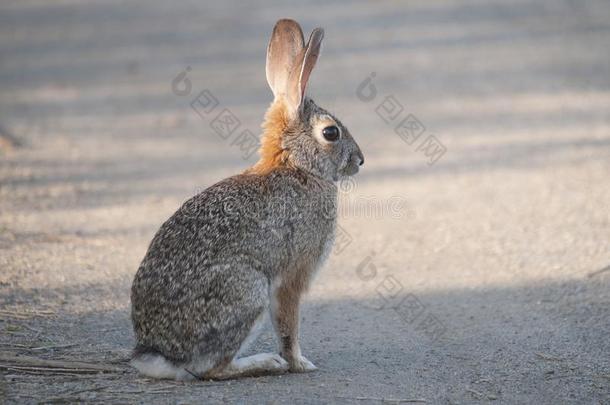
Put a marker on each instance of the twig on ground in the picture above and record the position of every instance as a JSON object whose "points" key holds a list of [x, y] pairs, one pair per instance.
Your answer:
{"points": [[13, 315], [25, 314], [91, 389], [396, 400], [26, 374], [50, 369], [25, 362], [53, 347], [555, 377], [140, 392], [548, 357], [36, 348], [15, 345], [110, 330], [73, 400]]}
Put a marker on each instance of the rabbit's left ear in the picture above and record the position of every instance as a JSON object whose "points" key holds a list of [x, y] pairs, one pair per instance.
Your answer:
{"points": [[302, 68]]}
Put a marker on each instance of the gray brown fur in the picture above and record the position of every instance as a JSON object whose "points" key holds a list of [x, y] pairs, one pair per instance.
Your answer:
{"points": [[246, 245]]}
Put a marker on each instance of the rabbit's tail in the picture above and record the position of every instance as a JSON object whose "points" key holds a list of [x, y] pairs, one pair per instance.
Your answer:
{"points": [[155, 365]]}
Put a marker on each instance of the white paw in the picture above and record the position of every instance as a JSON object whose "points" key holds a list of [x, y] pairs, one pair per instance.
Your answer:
{"points": [[271, 361], [302, 365]]}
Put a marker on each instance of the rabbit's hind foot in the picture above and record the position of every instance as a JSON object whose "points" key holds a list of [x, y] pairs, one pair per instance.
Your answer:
{"points": [[251, 366]]}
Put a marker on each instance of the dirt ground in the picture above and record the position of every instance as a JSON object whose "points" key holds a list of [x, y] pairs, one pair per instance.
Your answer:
{"points": [[480, 277]]}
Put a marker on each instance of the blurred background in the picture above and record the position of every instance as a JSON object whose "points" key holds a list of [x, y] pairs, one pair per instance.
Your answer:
{"points": [[487, 121]]}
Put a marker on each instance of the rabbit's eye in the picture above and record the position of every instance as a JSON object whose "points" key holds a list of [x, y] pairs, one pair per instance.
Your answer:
{"points": [[331, 133]]}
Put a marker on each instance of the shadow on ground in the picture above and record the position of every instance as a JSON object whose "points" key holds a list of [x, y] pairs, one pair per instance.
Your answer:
{"points": [[492, 341]]}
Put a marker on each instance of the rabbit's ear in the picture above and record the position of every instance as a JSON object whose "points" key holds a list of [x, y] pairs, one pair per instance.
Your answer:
{"points": [[303, 65], [310, 57], [285, 46]]}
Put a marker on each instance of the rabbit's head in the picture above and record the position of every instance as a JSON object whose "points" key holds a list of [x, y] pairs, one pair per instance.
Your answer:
{"points": [[296, 131]]}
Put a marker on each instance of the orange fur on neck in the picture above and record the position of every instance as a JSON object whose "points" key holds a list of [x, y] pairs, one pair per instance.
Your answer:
{"points": [[271, 153]]}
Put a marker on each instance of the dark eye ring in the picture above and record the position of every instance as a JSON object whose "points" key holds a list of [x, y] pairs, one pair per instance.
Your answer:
{"points": [[331, 133]]}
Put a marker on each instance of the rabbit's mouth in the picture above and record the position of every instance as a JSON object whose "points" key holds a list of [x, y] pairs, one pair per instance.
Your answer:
{"points": [[350, 169], [353, 164]]}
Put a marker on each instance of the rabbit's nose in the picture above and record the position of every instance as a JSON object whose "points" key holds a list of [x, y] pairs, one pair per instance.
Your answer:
{"points": [[360, 158]]}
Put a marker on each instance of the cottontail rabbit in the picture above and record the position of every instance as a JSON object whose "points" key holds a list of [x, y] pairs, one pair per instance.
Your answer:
{"points": [[250, 243]]}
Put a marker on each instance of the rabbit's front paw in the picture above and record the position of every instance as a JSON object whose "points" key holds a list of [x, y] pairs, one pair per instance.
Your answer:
{"points": [[301, 365]]}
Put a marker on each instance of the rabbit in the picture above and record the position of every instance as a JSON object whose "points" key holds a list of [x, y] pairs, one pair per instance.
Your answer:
{"points": [[248, 246]]}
